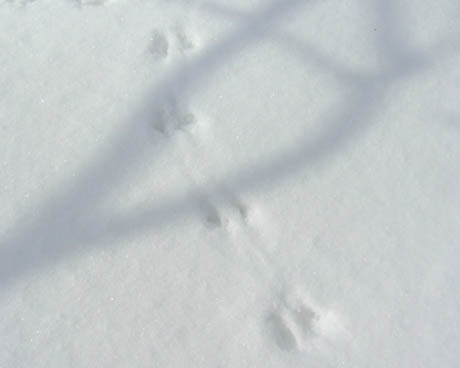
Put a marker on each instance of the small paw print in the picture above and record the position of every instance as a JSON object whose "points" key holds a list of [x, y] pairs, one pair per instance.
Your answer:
{"points": [[298, 324], [159, 45]]}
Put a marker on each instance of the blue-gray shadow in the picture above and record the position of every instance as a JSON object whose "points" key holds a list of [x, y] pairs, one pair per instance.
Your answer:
{"points": [[67, 223]]}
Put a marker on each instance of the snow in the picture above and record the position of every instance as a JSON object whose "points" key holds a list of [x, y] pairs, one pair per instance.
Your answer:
{"points": [[257, 183]]}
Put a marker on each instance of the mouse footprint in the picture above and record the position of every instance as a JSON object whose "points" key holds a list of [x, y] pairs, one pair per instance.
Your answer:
{"points": [[170, 118], [228, 212], [159, 45], [166, 44], [297, 323], [293, 326], [185, 40]]}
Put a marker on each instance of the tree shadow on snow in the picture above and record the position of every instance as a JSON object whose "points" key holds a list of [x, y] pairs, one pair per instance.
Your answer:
{"points": [[69, 223]]}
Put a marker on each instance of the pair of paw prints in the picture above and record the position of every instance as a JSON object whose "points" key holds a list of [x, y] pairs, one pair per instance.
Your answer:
{"points": [[170, 119], [228, 213], [298, 324], [163, 43]]}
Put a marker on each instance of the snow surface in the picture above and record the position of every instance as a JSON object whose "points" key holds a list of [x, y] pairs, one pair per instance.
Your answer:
{"points": [[246, 183]]}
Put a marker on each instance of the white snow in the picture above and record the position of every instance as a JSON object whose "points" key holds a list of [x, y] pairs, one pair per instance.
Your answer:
{"points": [[254, 183]]}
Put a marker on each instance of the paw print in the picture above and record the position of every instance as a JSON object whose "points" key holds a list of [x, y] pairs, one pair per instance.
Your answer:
{"points": [[164, 44], [293, 326], [298, 324], [159, 45], [170, 118], [230, 211]]}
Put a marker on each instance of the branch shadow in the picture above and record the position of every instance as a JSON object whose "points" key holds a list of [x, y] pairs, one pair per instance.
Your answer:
{"points": [[68, 224]]}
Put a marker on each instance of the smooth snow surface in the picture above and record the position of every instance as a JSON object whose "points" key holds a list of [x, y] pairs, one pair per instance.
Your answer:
{"points": [[246, 183]]}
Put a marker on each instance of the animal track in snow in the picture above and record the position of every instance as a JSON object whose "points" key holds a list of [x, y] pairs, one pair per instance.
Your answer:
{"points": [[293, 326], [170, 118], [212, 216], [164, 44], [282, 333], [232, 210], [297, 324], [168, 124], [184, 41], [159, 45]]}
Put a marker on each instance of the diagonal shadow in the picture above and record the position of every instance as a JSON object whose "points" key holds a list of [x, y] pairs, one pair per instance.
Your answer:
{"points": [[351, 119], [66, 222], [47, 240]]}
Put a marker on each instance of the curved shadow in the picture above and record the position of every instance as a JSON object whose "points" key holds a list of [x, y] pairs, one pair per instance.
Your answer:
{"points": [[67, 223]]}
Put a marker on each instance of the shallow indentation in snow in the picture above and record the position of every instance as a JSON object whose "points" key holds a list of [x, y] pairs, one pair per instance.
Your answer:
{"points": [[230, 212], [184, 39], [170, 118], [293, 326], [159, 45], [296, 323]]}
